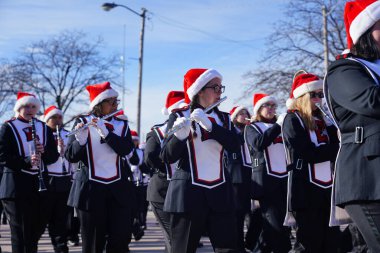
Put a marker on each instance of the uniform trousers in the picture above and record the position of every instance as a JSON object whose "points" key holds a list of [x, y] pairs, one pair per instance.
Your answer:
{"points": [[314, 234], [24, 221], [56, 214], [187, 229], [107, 225], [367, 218], [276, 235], [163, 219]]}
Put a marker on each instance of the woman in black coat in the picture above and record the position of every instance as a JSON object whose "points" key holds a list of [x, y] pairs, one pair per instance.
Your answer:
{"points": [[269, 174], [353, 93], [311, 147], [199, 197]]}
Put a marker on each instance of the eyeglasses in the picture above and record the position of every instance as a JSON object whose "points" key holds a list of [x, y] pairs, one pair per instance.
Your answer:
{"points": [[317, 94], [274, 106], [112, 101], [217, 88]]}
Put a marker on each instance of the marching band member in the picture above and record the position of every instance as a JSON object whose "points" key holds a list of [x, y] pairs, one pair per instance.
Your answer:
{"points": [[162, 171], [269, 174], [198, 197], [352, 90], [311, 147], [239, 168], [101, 191], [25, 160], [55, 203]]}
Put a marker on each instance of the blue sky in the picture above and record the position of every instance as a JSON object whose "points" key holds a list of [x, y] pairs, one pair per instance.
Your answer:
{"points": [[230, 38]]}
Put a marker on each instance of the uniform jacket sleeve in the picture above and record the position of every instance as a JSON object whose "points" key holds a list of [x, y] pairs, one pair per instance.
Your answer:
{"points": [[50, 154], [227, 138], [353, 88], [122, 145], [152, 151], [74, 152], [9, 155], [173, 148], [297, 140], [259, 141]]}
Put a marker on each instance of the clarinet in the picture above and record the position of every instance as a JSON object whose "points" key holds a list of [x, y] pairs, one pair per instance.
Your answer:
{"points": [[64, 170], [41, 183]]}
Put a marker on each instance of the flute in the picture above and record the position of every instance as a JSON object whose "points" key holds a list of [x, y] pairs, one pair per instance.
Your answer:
{"points": [[41, 183], [64, 170], [92, 123], [176, 128], [326, 114]]}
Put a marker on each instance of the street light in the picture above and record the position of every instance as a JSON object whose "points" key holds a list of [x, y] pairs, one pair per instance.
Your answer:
{"points": [[110, 6]]}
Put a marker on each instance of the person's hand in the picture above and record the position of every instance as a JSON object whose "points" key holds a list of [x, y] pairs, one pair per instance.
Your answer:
{"points": [[39, 147], [35, 160], [184, 128], [327, 121], [101, 128], [82, 135], [199, 116], [280, 119]]}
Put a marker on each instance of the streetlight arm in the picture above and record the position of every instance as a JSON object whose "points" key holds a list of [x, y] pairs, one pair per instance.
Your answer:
{"points": [[109, 6]]}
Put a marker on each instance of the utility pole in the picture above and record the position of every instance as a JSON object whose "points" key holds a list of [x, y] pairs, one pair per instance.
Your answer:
{"points": [[123, 71], [140, 69], [325, 39]]}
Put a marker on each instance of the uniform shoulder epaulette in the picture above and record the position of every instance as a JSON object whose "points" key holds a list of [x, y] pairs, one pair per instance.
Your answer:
{"points": [[181, 109], [11, 119], [158, 125], [343, 56]]}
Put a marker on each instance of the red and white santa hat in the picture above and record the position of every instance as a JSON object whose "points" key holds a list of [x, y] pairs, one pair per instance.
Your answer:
{"points": [[135, 135], [121, 115], [50, 112], [359, 16], [261, 98], [302, 84], [24, 98], [174, 100], [196, 79], [234, 111], [100, 92]]}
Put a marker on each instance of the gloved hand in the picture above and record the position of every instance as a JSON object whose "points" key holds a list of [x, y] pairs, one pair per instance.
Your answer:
{"points": [[184, 126], [82, 135], [280, 119], [101, 128], [201, 118]]}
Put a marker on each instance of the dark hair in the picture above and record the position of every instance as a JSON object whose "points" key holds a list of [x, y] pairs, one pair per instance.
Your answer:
{"points": [[97, 110], [366, 47]]}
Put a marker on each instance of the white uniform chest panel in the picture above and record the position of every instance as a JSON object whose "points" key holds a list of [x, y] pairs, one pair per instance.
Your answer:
{"points": [[103, 161], [56, 169], [274, 154], [23, 134], [206, 157], [320, 173]]}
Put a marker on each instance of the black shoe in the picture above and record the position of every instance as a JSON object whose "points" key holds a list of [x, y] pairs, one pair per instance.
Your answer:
{"points": [[200, 245], [138, 235]]}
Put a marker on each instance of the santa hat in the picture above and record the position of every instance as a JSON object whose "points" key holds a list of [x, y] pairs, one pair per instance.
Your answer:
{"points": [[135, 135], [261, 98], [50, 112], [24, 98], [174, 100], [100, 92], [196, 79], [121, 115], [359, 16], [234, 112], [302, 84]]}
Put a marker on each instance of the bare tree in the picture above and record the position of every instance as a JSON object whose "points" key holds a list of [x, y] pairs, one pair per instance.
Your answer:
{"points": [[59, 68], [297, 43], [8, 86]]}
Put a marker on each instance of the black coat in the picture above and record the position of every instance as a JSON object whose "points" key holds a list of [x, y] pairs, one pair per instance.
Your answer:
{"points": [[302, 153], [263, 185], [182, 195], [354, 99], [158, 184], [85, 193], [16, 184]]}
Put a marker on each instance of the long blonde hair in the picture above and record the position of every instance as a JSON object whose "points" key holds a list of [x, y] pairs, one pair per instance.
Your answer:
{"points": [[303, 106]]}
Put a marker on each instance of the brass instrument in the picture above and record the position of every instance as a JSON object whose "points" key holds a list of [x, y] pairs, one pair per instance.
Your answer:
{"points": [[41, 183]]}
